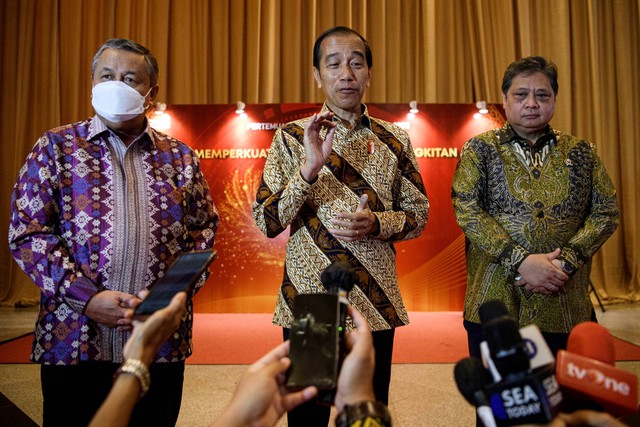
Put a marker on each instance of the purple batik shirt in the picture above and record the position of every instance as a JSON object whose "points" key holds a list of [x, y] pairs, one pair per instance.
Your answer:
{"points": [[91, 214]]}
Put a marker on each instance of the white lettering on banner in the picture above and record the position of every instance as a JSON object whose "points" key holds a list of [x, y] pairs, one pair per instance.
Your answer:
{"points": [[264, 126], [436, 152], [261, 153], [232, 153]]}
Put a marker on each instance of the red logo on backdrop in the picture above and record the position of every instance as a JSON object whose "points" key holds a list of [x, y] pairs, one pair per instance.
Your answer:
{"points": [[233, 148]]}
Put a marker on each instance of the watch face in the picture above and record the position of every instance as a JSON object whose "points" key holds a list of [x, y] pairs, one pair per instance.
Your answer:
{"points": [[567, 267]]}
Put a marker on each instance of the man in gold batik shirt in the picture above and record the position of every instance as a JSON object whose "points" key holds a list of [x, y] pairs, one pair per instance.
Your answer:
{"points": [[348, 185]]}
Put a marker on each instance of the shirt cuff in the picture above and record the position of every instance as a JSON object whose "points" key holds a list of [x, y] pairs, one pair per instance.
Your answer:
{"points": [[80, 291], [313, 181], [298, 183], [390, 223], [513, 256]]}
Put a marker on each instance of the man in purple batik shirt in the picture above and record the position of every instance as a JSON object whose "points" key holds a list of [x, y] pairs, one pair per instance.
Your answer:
{"points": [[100, 210]]}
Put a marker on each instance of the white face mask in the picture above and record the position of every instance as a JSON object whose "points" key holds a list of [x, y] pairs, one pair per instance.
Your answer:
{"points": [[116, 101]]}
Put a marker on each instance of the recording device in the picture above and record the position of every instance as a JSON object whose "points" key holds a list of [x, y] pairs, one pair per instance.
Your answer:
{"points": [[471, 379], [522, 395], [588, 377], [182, 275], [317, 333]]}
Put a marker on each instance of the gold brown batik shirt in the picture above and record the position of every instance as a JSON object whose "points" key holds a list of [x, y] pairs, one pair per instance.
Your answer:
{"points": [[374, 158], [512, 200]]}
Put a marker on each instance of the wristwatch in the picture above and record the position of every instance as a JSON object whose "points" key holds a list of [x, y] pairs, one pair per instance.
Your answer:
{"points": [[567, 267], [360, 410]]}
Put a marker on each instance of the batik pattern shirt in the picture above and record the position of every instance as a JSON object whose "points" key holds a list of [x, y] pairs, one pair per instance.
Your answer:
{"points": [[374, 158], [89, 214], [512, 201]]}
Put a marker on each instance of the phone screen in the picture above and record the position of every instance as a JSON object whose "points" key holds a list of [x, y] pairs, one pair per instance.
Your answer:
{"points": [[314, 351], [182, 275]]}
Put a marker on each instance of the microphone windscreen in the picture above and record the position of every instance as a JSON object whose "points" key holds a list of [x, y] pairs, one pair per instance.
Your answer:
{"points": [[471, 378], [506, 346], [339, 275], [592, 340], [491, 310]]}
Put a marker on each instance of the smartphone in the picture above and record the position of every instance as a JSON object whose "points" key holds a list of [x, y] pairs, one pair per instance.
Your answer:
{"points": [[315, 341], [182, 275]]}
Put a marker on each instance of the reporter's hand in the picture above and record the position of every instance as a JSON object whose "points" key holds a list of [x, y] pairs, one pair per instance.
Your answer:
{"points": [[590, 418], [355, 383], [581, 418], [150, 334], [260, 398]]}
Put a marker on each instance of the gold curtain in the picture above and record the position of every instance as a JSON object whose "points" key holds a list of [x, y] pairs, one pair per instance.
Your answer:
{"points": [[259, 51]]}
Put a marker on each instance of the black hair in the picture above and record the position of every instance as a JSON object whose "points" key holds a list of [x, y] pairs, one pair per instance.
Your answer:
{"points": [[339, 30], [528, 66]]}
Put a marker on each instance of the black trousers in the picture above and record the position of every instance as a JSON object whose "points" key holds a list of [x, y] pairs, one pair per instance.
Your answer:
{"points": [[72, 394], [312, 414]]}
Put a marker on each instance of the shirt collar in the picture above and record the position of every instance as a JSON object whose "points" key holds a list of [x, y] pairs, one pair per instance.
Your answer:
{"points": [[364, 118], [97, 127], [507, 135]]}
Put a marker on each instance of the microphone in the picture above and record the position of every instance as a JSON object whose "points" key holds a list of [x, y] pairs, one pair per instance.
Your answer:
{"points": [[338, 279], [521, 395], [471, 378], [506, 347], [588, 377], [584, 335], [536, 347]]}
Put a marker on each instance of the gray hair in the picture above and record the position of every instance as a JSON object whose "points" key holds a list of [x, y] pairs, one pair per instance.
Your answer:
{"points": [[129, 46]]}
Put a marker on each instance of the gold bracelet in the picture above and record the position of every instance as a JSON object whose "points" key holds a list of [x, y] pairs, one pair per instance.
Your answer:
{"points": [[360, 410], [138, 369]]}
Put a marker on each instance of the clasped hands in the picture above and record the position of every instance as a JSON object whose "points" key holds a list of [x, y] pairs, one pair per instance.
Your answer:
{"points": [[542, 273], [114, 308]]}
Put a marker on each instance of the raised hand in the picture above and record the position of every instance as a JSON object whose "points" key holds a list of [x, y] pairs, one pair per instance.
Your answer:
{"points": [[317, 149]]}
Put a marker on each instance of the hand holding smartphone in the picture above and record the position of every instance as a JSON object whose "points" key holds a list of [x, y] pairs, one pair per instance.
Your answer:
{"points": [[182, 275]]}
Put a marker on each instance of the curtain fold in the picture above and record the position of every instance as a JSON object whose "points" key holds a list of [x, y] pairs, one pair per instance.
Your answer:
{"points": [[259, 51]]}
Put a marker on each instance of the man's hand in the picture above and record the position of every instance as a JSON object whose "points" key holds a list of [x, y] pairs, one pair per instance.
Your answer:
{"points": [[353, 226], [317, 150], [538, 273], [112, 308]]}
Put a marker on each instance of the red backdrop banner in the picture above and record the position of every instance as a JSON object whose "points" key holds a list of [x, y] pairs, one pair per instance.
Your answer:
{"points": [[233, 148]]}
